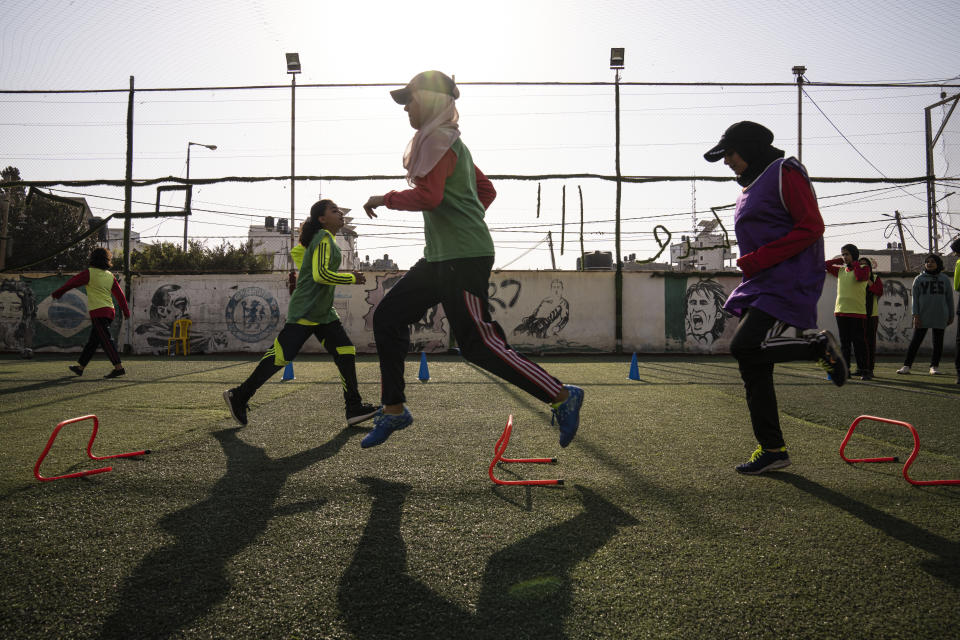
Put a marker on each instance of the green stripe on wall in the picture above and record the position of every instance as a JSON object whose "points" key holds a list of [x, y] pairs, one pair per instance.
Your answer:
{"points": [[674, 291]]}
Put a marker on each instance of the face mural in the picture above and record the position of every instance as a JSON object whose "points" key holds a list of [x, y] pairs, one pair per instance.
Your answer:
{"points": [[705, 318], [18, 311], [169, 303], [894, 313], [11, 311], [10, 307]]}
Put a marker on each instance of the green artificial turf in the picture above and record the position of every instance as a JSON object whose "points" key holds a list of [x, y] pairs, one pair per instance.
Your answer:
{"points": [[288, 529]]}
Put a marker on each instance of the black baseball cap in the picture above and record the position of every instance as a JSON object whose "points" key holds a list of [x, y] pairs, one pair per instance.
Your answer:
{"points": [[739, 135], [426, 81]]}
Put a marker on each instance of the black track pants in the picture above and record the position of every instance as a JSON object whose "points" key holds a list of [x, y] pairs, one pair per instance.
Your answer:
{"points": [[461, 287]]}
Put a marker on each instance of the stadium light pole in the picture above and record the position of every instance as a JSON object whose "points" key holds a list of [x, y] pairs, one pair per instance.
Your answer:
{"points": [[293, 68], [616, 63], [186, 214], [798, 71]]}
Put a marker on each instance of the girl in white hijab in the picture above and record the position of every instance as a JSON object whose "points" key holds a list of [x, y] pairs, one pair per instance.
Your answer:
{"points": [[437, 119], [453, 195]]}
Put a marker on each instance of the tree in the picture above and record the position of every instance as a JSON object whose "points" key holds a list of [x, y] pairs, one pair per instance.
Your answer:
{"points": [[41, 223], [169, 257], [17, 195]]}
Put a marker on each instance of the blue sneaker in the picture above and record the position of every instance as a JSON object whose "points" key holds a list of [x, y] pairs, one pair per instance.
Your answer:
{"points": [[763, 460], [567, 415], [383, 425]]}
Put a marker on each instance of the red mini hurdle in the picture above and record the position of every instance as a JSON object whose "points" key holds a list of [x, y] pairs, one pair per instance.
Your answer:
{"points": [[501, 446], [93, 436], [906, 466]]}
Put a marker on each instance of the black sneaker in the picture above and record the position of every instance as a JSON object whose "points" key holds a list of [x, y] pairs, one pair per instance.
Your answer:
{"points": [[763, 460], [831, 358], [866, 375], [116, 373], [360, 413], [77, 369], [238, 406]]}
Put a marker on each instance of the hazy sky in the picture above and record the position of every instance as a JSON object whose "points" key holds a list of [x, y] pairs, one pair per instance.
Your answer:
{"points": [[99, 44]]}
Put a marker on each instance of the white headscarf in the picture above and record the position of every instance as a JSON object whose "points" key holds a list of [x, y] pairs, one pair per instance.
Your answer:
{"points": [[439, 131]]}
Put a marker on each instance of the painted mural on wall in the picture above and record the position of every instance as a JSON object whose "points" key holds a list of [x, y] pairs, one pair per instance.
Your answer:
{"points": [[32, 320], [18, 315], [550, 316], [539, 311], [168, 303], [430, 333], [704, 319], [535, 312], [252, 314], [694, 317], [895, 320]]}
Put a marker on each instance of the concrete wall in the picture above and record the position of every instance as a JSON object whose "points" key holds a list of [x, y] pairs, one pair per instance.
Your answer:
{"points": [[540, 312]]}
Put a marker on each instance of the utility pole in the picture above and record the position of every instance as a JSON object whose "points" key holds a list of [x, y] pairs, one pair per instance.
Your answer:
{"points": [[128, 209], [693, 205], [553, 260], [903, 243], [583, 255]]}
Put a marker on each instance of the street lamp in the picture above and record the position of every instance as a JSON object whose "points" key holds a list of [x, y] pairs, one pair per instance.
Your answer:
{"points": [[293, 68], [798, 71], [186, 214]]}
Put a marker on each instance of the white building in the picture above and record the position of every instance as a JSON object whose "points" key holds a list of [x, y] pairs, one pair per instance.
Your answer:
{"points": [[708, 251], [273, 238], [112, 239]]}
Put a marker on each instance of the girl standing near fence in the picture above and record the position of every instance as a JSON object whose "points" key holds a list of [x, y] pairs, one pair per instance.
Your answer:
{"points": [[874, 291], [932, 309]]}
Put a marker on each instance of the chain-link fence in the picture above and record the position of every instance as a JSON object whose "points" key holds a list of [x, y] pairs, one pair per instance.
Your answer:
{"points": [[550, 147]]}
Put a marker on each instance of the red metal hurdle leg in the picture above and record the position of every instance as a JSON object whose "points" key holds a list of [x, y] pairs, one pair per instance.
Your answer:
{"points": [[93, 436], [906, 466], [501, 446]]}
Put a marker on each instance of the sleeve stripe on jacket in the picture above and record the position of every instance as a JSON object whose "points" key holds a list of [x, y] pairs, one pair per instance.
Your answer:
{"points": [[321, 268]]}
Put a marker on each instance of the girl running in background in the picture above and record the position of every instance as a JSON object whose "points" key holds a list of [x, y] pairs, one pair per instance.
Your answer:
{"points": [[311, 313], [102, 287]]}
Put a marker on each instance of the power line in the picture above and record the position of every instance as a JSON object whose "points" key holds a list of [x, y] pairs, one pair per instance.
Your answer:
{"points": [[877, 169]]}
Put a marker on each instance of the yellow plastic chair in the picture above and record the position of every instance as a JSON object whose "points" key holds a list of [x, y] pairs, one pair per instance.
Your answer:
{"points": [[181, 336]]}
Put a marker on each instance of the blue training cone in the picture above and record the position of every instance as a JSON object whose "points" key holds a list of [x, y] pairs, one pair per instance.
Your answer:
{"points": [[634, 369], [424, 374], [288, 372]]}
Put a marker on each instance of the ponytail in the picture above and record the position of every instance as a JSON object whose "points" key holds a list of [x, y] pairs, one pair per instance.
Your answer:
{"points": [[308, 230]]}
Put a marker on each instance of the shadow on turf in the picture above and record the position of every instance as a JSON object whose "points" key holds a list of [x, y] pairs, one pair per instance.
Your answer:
{"points": [[180, 582], [526, 591], [46, 384], [945, 564]]}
